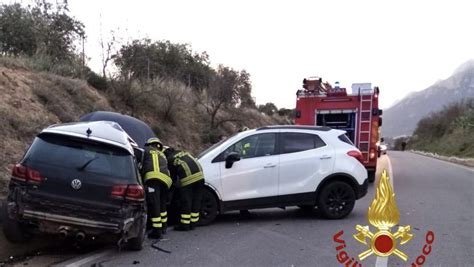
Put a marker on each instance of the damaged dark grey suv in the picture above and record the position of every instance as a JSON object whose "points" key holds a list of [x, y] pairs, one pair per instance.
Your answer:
{"points": [[78, 180]]}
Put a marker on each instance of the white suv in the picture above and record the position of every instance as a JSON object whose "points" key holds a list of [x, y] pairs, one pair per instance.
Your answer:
{"points": [[278, 166]]}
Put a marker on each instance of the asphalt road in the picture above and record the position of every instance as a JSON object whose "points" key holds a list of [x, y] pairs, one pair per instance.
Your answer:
{"points": [[431, 195], [439, 196]]}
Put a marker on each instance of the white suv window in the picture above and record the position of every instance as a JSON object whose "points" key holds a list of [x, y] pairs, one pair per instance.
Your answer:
{"points": [[296, 142], [258, 145]]}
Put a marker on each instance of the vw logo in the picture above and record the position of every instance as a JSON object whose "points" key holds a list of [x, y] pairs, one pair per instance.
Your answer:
{"points": [[76, 184]]}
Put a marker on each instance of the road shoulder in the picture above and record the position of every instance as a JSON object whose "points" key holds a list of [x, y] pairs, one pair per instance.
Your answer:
{"points": [[467, 163]]}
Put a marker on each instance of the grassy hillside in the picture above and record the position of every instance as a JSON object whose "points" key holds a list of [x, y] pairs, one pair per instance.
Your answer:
{"points": [[449, 132], [31, 100], [44, 79]]}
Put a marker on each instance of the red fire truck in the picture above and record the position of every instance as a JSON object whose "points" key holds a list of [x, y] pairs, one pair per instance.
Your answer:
{"points": [[358, 113]]}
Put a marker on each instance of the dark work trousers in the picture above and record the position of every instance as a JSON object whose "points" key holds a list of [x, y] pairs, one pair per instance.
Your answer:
{"points": [[156, 196], [190, 203]]}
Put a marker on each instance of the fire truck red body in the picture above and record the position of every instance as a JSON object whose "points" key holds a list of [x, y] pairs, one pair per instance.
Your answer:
{"points": [[358, 113]]}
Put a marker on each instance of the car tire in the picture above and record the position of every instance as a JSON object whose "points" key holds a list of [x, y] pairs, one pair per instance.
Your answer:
{"points": [[306, 208], [336, 200], [3, 211], [136, 243], [14, 231], [371, 176], [209, 208]]}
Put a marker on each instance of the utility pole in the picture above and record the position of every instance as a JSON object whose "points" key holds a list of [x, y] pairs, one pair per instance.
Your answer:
{"points": [[83, 56]]}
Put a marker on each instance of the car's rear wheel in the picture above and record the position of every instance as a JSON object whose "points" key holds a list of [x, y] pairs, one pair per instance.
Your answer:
{"points": [[371, 176], [336, 200], [3, 211], [209, 208], [136, 243], [14, 231]]}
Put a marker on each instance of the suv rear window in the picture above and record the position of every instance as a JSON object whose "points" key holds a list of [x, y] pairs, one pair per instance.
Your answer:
{"points": [[296, 142], [345, 139], [82, 155]]}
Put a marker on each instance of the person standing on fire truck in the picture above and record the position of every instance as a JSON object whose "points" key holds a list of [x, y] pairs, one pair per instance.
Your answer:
{"points": [[156, 177], [189, 177]]}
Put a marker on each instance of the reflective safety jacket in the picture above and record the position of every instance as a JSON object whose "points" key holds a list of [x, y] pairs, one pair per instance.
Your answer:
{"points": [[184, 167], [155, 166]]}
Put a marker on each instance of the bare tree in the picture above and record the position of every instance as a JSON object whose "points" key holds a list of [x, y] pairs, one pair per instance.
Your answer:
{"points": [[171, 95], [222, 93], [108, 48]]}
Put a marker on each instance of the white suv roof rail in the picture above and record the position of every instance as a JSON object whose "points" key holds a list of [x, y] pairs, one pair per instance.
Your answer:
{"points": [[296, 127]]}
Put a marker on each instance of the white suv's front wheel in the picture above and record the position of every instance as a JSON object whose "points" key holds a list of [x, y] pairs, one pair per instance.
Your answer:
{"points": [[336, 200], [209, 208]]}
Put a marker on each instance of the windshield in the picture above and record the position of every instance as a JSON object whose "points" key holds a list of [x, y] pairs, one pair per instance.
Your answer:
{"points": [[81, 155], [214, 146]]}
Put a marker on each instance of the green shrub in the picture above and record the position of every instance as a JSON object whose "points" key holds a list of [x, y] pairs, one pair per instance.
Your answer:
{"points": [[96, 81], [447, 132]]}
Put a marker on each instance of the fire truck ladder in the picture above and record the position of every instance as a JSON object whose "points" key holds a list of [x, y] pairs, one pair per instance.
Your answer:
{"points": [[366, 102]]}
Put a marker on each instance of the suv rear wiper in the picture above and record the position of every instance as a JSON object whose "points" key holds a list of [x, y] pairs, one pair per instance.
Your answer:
{"points": [[87, 163]]}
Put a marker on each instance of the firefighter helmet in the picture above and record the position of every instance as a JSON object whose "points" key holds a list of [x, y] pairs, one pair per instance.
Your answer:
{"points": [[153, 140]]}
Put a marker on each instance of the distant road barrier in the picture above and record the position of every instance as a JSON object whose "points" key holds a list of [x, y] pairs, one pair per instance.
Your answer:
{"points": [[463, 161]]}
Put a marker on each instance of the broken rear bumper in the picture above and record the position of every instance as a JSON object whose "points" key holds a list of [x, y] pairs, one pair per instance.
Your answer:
{"points": [[49, 217], [79, 222]]}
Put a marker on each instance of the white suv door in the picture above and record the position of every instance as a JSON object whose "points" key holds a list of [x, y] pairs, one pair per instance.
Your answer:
{"points": [[304, 161], [256, 174]]}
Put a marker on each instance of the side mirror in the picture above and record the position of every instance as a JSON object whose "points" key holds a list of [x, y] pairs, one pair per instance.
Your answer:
{"points": [[382, 140], [298, 114], [230, 159]]}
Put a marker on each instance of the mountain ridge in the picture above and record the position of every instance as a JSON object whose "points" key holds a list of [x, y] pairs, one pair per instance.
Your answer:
{"points": [[402, 118]]}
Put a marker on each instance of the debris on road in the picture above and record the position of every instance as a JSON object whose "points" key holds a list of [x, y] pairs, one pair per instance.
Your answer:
{"points": [[155, 246]]}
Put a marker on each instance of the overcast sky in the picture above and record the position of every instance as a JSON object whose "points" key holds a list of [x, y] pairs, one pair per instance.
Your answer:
{"points": [[401, 46]]}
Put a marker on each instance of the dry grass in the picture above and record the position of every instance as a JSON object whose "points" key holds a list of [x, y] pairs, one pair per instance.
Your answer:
{"points": [[33, 100]]}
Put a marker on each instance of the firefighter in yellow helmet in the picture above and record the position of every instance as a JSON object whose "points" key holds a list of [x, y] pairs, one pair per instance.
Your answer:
{"points": [[156, 177], [188, 174]]}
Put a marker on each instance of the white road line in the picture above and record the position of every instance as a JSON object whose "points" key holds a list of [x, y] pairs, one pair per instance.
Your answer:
{"points": [[390, 171], [383, 261], [87, 259]]}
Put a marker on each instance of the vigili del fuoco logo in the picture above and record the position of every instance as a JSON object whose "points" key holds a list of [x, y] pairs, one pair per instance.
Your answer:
{"points": [[383, 214]]}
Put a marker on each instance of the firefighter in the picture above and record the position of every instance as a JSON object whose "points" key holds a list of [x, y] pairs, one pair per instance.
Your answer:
{"points": [[404, 145], [187, 173], [157, 180], [244, 149]]}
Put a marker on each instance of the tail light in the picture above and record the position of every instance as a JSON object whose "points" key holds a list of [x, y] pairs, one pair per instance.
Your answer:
{"points": [[135, 192], [118, 191], [372, 153], [356, 154], [130, 192], [26, 174]]}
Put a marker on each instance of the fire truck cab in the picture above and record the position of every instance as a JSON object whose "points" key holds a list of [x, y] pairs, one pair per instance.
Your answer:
{"points": [[358, 113]]}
